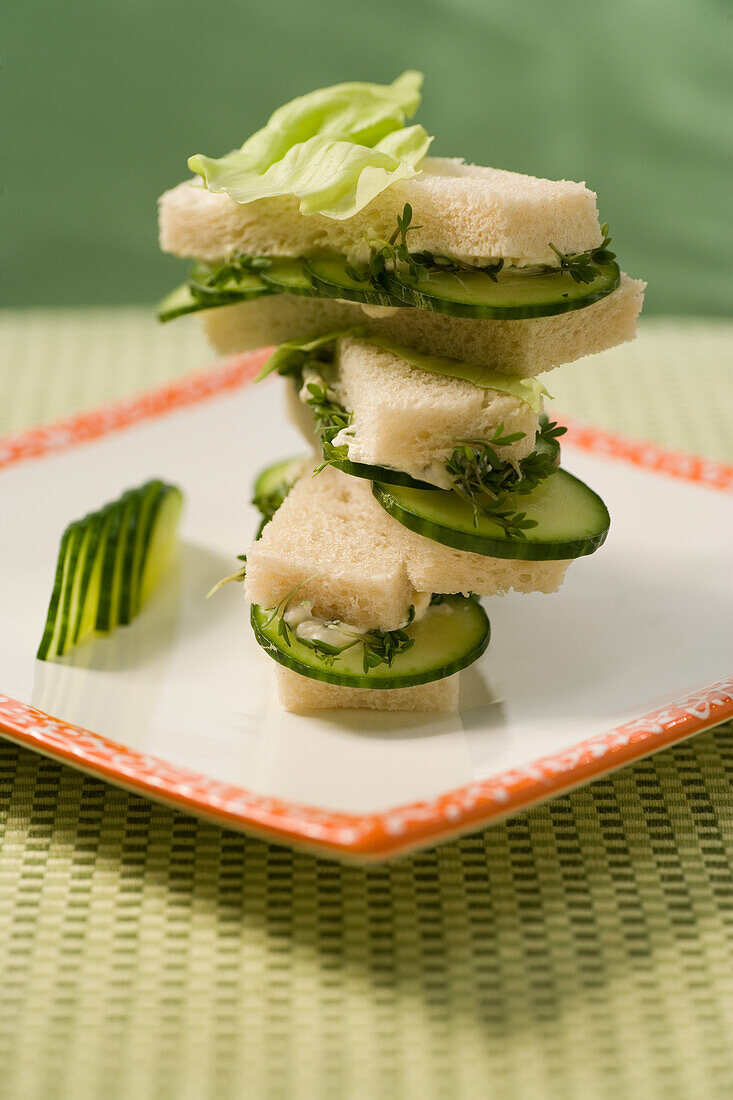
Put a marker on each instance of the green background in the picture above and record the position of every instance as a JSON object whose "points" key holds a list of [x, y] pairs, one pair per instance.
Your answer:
{"points": [[105, 99]]}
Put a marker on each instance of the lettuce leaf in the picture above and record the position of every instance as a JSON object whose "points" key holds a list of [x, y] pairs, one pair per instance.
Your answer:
{"points": [[335, 149], [293, 353]]}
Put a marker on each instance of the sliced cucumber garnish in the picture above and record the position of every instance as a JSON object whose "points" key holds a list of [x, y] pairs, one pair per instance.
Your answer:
{"points": [[158, 541], [100, 523], [571, 520], [108, 564], [331, 279], [516, 294], [452, 635], [54, 634], [286, 276]]}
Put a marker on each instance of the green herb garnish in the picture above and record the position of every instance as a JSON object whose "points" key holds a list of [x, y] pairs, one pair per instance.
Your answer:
{"points": [[238, 576], [386, 255], [582, 267], [209, 281], [330, 418], [379, 646], [483, 479]]}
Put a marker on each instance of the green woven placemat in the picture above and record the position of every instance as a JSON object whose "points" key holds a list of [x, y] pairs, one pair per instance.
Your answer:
{"points": [[582, 950]]}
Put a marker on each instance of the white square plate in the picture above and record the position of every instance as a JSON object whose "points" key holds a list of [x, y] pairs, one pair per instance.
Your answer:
{"points": [[179, 706]]}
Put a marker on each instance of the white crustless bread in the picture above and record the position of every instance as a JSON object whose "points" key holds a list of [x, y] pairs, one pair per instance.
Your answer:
{"points": [[363, 567], [463, 210], [523, 348], [409, 419], [301, 693], [329, 538]]}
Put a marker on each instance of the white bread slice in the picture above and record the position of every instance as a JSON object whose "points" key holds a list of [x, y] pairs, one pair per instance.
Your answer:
{"points": [[409, 419], [339, 545], [472, 213], [433, 567], [361, 566], [301, 693], [523, 348]]}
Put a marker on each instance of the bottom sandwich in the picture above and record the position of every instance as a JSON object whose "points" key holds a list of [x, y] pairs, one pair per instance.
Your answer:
{"points": [[358, 611]]}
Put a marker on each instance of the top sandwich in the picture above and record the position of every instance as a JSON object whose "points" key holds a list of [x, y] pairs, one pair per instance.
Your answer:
{"points": [[473, 214], [334, 214]]}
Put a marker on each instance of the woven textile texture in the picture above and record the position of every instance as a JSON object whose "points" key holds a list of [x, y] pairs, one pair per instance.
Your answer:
{"points": [[582, 950]]}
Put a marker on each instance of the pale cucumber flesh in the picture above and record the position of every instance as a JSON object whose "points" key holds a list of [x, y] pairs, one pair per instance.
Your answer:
{"points": [[452, 635], [571, 520]]}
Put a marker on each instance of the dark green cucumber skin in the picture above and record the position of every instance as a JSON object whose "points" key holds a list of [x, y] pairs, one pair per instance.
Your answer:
{"points": [[153, 493], [105, 610], [112, 568], [126, 611], [57, 592], [373, 679], [579, 296], [378, 473], [329, 278], [98, 523], [518, 549], [74, 549]]}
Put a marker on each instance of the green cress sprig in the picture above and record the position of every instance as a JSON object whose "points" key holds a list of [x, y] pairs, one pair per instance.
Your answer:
{"points": [[208, 281], [378, 646], [483, 479], [582, 267], [330, 418], [419, 264]]}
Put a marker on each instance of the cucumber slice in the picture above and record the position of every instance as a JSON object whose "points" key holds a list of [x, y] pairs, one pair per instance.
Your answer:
{"points": [[452, 635], [330, 279], [179, 302], [158, 541], [273, 484], [279, 478], [108, 563], [49, 646], [239, 287], [571, 520], [383, 474], [113, 574], [286, 276], [516, 294], [91, 577], [183, 300]]}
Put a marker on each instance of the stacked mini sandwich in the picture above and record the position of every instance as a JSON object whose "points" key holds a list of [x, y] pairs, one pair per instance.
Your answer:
{"points": [[413, 301]]}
